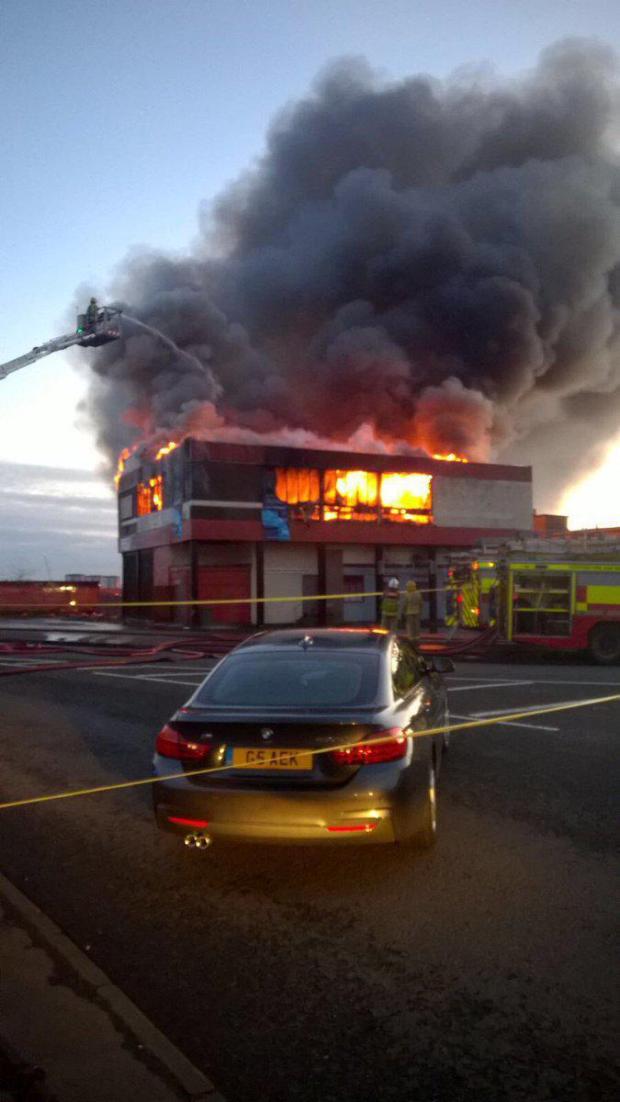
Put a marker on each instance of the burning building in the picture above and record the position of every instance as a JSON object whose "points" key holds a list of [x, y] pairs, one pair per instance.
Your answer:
{"points": [[213, 520]]}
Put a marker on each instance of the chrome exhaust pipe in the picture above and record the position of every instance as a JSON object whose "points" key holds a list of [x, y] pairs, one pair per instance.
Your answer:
{"points": [[197, 840]]}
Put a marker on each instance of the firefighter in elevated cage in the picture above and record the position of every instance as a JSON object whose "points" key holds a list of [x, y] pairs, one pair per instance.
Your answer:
{"points": [[390, 604], [92, 311]]}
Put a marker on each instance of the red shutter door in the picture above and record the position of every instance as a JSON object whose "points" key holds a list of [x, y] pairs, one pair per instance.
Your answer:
{"points": [[226, 583]]}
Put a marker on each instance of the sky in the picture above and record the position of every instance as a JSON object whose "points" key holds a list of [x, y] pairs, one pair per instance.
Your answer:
{"points": [[117, 121]]}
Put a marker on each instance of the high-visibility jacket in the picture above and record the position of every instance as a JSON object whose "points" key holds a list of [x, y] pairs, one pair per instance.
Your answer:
{"points": [[390, 602], [413, 603]]}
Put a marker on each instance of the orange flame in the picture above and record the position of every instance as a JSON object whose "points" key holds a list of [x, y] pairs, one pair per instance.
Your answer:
{"points": [[122, 460], [166, 449], [150, 497], [406, 491], [357, 495], [126, 454], [451, 458], [354, 487]]}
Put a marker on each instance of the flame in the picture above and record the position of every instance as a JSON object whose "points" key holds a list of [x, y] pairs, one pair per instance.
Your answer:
{"points": [[166, 449], [356, 495], [122, 460], [354, 487], [150, 498], [126, 454], [207, 424], [406, 491], [297, 485]]}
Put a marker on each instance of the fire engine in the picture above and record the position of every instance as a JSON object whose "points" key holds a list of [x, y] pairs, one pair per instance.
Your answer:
{"points": [[558, 597]]}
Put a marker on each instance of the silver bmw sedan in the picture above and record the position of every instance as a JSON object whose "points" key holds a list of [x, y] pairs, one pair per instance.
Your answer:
{"points": [[308, 736]]}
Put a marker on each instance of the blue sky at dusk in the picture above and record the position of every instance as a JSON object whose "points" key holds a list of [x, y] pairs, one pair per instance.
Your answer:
{"points": [[117, 121]]}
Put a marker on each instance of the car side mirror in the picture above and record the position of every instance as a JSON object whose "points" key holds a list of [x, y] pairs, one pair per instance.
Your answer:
{"points": [[439, 664]]}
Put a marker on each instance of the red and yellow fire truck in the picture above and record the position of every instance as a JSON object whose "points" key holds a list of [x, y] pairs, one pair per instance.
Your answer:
{"points": [[568, 601]]}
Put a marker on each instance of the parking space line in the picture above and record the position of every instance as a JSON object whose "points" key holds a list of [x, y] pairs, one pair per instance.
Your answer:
{"points": [[482, 682], [173, 668], [500, 711], [144, 677], [169, 680], [470, 677], [508, 723], [172, 673], [486, 685]]}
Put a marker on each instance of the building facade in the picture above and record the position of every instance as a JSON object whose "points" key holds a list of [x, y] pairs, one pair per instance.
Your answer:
{"points": [[279, 525]]}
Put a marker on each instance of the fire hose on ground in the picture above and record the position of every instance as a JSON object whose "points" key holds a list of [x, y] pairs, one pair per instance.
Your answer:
{"points": [[179, 648], [209, 645]]}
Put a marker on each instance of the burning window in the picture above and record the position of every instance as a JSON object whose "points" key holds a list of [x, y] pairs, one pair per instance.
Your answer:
{"points": [[365, 495], [356, 495], [350, 495], [150, 496], [301, 487], [406, 497]]}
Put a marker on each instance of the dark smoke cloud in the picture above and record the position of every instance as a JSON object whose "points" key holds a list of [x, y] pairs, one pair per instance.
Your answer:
{"points": [[438, 261]]}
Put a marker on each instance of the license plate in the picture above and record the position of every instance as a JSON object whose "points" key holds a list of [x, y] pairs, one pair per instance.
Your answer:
{"points": [[270, 757]]}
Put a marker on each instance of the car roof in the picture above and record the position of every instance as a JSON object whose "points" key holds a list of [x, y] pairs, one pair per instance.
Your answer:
{"points": [[319, 639]]}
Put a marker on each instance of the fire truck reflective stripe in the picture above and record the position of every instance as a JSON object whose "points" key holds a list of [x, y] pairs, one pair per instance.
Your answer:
{"points": [[583, 568], [602, 595]]}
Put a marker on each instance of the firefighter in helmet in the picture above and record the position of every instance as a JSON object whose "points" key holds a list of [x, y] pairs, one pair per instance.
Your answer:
{"points": [[413, 610], [390, 604], [92, 311]]}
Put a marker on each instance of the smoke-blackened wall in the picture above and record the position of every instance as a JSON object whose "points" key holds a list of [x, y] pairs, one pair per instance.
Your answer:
{"points": [[440, 261]]}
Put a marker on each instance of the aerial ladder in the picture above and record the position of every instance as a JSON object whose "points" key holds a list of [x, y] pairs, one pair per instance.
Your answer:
{"points": [[99, 325]]}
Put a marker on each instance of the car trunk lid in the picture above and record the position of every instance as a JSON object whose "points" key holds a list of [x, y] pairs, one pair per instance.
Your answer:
{"points": [[269, 738]]}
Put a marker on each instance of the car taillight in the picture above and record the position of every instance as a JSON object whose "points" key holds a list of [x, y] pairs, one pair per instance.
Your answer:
{"points": [[394, 747], [170, 744]]}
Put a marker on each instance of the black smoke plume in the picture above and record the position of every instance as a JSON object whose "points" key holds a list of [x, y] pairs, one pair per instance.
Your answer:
{"points": [[437, 261]]}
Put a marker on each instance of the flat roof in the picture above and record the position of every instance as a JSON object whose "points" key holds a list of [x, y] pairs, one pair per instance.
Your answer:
{"points": [[271, 455]]}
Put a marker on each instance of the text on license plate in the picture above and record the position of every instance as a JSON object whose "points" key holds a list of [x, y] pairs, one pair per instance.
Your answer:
{"points": [[270, 757]]}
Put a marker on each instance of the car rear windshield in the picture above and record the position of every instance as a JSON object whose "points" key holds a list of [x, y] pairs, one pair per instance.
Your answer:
{"points": [[308, 679]]}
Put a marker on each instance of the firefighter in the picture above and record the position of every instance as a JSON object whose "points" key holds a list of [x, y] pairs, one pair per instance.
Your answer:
{"points": [[390, 604], [413, 611], [91, 313]]}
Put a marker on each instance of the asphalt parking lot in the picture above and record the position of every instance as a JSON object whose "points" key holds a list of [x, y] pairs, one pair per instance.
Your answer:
{"points": [[484, 970]]}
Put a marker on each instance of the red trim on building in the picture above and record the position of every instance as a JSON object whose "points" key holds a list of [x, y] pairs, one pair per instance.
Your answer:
{"points": [[239, 531], [415, 535], [154, 537], [349, 531], [325, 532]]}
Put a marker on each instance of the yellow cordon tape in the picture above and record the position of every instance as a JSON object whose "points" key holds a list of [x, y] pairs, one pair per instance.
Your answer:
{"points": [[507, 717], [214, 601]]}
